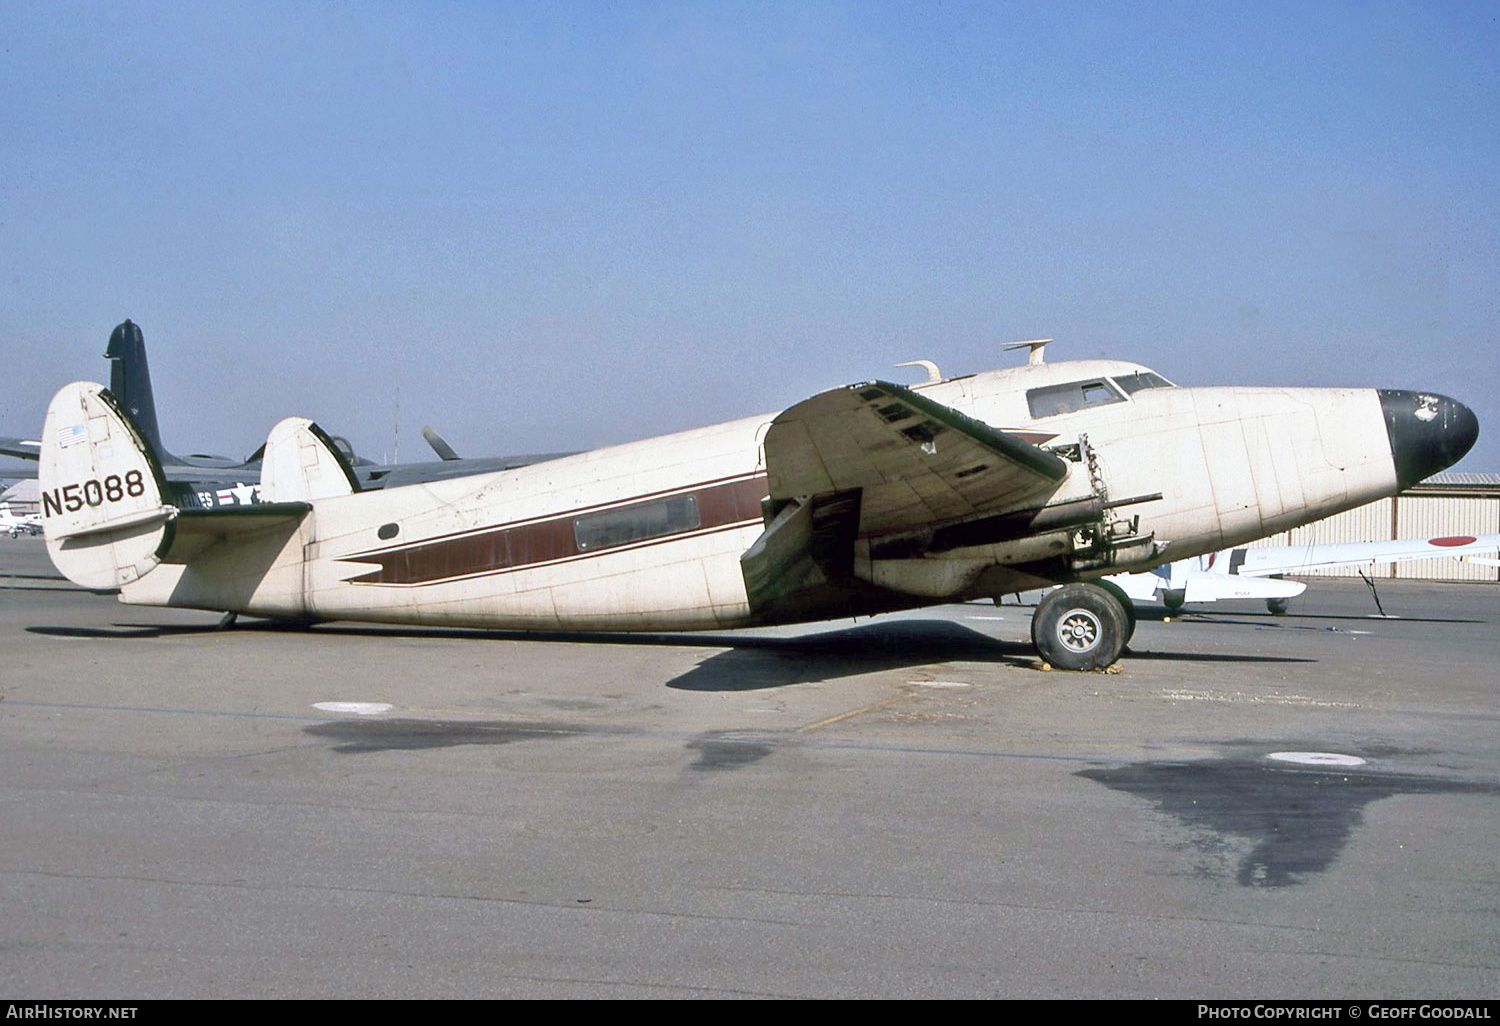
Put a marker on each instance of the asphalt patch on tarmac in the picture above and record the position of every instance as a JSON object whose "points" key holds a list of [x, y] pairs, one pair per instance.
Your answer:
{"points": [[726, 750], [360, 736], [1297, 819]]}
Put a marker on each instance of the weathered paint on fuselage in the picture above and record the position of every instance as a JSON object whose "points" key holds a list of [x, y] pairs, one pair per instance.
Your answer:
{"points": [[1231, 464]]}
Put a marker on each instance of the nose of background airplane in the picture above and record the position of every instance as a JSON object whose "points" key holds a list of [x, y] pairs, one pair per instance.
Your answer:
{"points": [[1428, 432]]}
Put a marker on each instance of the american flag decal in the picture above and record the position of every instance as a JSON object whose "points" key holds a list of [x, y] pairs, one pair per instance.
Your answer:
{"points": [[72, 435]]}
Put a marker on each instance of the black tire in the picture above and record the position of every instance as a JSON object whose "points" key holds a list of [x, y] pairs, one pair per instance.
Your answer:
{"points": [[1173, 600], [1277, 606], [1079, 627], [1127, 608]]}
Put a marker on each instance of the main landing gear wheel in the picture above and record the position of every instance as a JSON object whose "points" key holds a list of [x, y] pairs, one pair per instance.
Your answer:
{"points": [[1173, 600], [1127, 608], [1277, 606], [1079, 627]]}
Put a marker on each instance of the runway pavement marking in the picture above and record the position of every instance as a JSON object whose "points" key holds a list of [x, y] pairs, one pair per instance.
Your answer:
{"points": [[1185, 695], [221, 713], [357, 708], [1317, 758]]}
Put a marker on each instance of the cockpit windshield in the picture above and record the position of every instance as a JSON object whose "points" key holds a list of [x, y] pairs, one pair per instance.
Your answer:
{"points": [[1133, 383], [1052, 400]]}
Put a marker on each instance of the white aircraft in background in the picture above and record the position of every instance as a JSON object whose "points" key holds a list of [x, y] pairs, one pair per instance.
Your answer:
{"points": [[1253, 573], [860, 500], [30, 523]]}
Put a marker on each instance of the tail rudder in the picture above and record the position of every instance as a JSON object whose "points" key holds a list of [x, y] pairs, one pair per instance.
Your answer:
{"points": [[101, 490], [300, 463], [130, 382]]}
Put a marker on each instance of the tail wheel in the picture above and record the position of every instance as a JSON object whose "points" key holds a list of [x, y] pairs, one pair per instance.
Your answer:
{"points": [[1079, 627]]}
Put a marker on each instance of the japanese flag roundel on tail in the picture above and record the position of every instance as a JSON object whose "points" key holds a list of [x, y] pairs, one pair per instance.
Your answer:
{"points": [[101, 490]]}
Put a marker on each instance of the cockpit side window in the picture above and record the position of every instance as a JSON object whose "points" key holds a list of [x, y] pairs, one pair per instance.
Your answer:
{"points": [[1130, 384], [1075, 395]]}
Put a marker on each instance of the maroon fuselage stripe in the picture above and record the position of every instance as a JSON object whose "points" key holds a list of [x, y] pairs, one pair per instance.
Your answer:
{"points": [[544, 541]]}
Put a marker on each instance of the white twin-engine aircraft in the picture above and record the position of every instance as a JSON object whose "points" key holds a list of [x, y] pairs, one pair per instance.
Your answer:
{"points": [[18, 524], [861, 500], [1255, 573]]}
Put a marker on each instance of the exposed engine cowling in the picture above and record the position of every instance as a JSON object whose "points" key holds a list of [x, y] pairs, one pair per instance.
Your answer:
{"points": [[1070, 538]]}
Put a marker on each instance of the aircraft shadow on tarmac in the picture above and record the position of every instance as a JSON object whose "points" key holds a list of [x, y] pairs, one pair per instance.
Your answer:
{"points": [[755, 663], [749, 663], [1296, 820], [124, 631], [1291, 622]]}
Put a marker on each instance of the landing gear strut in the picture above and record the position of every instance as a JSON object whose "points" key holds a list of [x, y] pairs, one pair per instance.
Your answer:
{"points": [[1079, 627]]}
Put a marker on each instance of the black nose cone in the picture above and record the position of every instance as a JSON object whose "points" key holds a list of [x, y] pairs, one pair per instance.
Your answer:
{"points": [[1428, 432]]}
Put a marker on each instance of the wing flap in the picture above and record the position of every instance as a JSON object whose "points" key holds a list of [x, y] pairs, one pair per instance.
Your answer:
{"points": [[916, 461]]}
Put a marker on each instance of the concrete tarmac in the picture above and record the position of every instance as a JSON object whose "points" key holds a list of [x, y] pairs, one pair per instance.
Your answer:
{"points": [[900, 807]]}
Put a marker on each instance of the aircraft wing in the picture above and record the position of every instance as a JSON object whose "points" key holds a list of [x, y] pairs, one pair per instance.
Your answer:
{"points": [[915, 462], [1293, 559], [20, 448]]}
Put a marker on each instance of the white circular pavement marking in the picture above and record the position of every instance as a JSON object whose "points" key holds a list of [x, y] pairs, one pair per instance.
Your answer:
{"points": [[939, 684], [358, 708], [1317, 758]]}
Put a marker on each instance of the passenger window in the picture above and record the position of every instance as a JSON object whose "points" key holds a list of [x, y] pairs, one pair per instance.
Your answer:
{"points": [[636, 523], [1075, 395]]}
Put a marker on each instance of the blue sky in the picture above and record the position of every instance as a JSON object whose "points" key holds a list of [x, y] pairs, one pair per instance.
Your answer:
{"points": [[555, 226]]}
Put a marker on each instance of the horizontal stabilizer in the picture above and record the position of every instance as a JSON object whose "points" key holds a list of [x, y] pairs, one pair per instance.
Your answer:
{"points": [[195, 530], [301, 463], [1203, 585], [1215, 587], [916, 461], [101, 490]]}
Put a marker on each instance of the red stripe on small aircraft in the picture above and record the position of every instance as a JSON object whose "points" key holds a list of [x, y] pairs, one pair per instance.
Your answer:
{"points": [[1457, 539]]}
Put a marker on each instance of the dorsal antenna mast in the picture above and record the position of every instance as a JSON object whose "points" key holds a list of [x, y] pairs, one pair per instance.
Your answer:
{"points": [[933, 374], [1037, 346]]}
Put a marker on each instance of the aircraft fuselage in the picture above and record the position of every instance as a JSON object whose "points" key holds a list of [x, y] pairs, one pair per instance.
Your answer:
{"points": [[649, 535]]}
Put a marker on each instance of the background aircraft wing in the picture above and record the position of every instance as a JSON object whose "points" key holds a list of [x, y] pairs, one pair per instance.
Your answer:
{"points": [[1293, 559], [20, 448], [915, 462]]}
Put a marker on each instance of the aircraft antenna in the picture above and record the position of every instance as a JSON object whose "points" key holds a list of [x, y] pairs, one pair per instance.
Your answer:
{"points": [[933, 374], [1037, 347]]}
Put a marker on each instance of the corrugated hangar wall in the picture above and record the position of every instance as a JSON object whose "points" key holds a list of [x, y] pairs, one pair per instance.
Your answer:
{"points": [[1444, 506]]}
